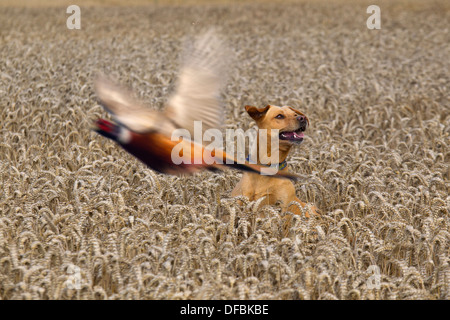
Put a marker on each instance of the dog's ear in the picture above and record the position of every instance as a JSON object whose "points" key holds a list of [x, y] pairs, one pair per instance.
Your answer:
{"points": [[256, 113]]}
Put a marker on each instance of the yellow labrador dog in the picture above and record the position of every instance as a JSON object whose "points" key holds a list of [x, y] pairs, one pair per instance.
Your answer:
{"points": [[291, 124]]}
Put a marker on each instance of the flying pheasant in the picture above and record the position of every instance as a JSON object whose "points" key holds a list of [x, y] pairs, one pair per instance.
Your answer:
{"points": [[146, 133]]}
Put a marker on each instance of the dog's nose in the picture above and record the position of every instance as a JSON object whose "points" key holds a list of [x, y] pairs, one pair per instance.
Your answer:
{"points": [[303, 122], [301, 118]]}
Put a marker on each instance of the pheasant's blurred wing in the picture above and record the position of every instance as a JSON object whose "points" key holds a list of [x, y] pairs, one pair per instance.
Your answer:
{"points": [[197, 95], [126, 110]]}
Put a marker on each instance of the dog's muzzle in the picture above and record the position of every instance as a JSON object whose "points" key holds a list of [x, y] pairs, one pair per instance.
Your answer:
{"points": [[297, 135]]}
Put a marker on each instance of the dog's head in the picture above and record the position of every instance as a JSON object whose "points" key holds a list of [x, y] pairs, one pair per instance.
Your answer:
{"points": [[290, 122]]}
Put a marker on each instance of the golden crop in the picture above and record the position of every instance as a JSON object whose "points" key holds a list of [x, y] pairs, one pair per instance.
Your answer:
{"points": [[377, 154]]}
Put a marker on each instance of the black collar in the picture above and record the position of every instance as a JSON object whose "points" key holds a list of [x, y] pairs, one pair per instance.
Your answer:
{"points": [[281, 165]]}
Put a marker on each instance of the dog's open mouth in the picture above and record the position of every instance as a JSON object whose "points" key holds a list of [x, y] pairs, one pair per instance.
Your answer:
{"points": [[293, 136]]}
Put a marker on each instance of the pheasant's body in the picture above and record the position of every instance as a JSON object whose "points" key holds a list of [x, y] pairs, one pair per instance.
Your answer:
{"points": [[155, 150]]}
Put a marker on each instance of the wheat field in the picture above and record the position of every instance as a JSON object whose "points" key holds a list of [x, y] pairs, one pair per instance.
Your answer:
{"points": [[82, 219]]}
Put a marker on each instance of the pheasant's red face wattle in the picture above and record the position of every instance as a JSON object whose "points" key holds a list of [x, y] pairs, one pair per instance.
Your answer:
{"points": [[107, 129], [105, 125]]}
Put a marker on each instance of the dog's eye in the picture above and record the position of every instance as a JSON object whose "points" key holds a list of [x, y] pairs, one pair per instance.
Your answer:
{"points": [[280, 116]]}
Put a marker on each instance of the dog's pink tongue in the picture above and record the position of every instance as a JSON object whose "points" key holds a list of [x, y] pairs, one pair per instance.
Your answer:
{"points": [[288, 135], [293, 135]]}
